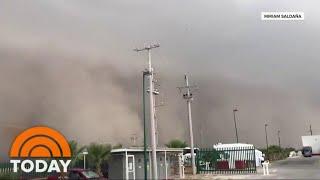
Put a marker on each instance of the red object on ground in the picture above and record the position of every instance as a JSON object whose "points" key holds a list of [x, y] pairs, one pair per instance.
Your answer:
{"points": [[240, 164], [223, 165], [76, 173]]}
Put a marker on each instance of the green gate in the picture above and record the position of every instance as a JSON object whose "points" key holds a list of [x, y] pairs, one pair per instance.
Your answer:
{"points": [[228, 160]]}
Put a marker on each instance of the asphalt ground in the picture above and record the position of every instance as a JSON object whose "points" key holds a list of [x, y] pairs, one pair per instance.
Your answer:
{"points": [[290, 168]]}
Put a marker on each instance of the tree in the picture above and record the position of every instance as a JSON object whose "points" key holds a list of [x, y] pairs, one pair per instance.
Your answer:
{"points": [[211, 156], [276, 153], [176, 143], [97, 153], [76, 150], [117, 146]]}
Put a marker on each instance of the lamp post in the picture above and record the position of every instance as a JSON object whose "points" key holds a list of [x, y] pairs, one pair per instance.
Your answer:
{"points": [[84, 158], [265, 129], [235, 123]]}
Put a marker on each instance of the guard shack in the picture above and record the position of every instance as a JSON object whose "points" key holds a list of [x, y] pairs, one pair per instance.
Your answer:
{"points": [[129, 163]]}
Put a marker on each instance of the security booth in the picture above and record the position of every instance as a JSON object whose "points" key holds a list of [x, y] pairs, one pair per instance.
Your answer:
{"points": [[129, 163]]}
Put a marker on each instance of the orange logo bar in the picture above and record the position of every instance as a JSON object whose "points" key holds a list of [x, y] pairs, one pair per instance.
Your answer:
{"points": [[40, 142]]}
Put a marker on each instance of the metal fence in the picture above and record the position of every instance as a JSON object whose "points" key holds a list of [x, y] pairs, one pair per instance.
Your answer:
{"points": [[6, 172], [230, 160]]}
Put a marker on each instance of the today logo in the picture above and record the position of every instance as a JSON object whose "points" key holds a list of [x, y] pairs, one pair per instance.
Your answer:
{"points": [[35, 148]]}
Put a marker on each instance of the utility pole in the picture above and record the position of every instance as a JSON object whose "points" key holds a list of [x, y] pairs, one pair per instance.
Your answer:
{"points": [[189, 98], [279, 138], [201, 136], [235, 123], [145, 73], [156, 118], [310, 129], [155, 105], [151, 114], [134, 139], [265, 130]]}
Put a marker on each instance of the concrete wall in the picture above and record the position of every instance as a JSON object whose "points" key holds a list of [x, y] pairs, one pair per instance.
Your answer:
{"points": [[116, 167]]}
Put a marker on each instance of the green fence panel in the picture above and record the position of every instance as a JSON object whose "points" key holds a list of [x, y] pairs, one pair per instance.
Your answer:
{"points": [[227, 160]]}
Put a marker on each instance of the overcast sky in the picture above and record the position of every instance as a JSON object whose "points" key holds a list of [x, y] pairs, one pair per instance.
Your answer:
{"points": [[70, 65]]}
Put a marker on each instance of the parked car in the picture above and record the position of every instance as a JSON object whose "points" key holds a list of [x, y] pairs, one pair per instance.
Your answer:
{"points": [[307, 151], [77, 174], [311, 143]]}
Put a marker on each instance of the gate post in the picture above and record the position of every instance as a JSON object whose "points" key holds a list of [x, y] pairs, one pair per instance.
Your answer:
{"points": [[265, 168], [181, 165]]}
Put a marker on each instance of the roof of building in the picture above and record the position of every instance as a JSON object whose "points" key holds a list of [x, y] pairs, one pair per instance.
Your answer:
{"points": [[140, 149], [232, 145]]}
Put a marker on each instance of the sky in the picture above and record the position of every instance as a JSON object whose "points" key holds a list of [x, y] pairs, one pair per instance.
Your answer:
{"points": [[71, 65]]}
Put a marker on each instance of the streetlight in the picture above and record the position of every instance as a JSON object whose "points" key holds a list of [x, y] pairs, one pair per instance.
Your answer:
{"points": [[265, 129], [235, 123], [85, 152]]}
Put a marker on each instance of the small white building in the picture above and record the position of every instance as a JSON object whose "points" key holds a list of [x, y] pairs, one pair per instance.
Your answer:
{"points": [[128, 163], [239, 154]]}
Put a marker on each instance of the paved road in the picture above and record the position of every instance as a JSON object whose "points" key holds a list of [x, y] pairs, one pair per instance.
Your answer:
{"points": [[290, 168], [296, 168]]}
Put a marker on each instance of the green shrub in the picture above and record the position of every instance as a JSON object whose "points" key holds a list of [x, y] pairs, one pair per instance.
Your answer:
{"points": [[176, 143], [277, 153], [8, 176]]}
